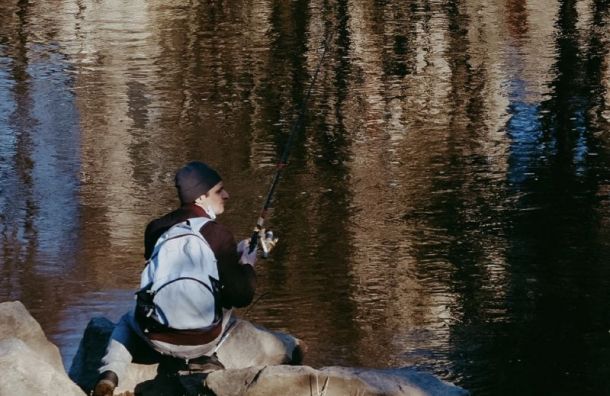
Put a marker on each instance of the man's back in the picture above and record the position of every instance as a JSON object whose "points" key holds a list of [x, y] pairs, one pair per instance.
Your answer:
{"points": [[238, 281]]}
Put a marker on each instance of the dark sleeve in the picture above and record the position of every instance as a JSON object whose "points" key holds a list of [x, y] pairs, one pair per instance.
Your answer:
{"points": [[238, 281]]}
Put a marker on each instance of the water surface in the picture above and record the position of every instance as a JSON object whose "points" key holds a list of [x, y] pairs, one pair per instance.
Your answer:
{"points": [[446, 205]]}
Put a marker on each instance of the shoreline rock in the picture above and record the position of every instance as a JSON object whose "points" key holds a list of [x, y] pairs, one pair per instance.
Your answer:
{"points": [[31, 364], [327, 381]]}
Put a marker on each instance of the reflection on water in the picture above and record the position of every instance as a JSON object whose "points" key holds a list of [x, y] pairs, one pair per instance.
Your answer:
{"points": [[446, 204]]}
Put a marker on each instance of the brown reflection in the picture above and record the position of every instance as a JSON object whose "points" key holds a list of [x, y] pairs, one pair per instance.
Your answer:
{"points": [[598, 69], [182, 96], [312, 202], [389, 157], [373, 170], [403, 215], [604, 20], [517, 17]]}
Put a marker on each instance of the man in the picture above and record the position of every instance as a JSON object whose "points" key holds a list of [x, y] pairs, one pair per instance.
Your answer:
{"points": [[202, 196]]}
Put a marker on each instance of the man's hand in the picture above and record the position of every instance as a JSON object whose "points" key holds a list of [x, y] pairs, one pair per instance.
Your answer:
{"points": [[246, 258]]}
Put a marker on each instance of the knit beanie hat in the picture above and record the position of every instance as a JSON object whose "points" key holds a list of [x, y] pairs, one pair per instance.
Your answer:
{"points": [[195, 179]]}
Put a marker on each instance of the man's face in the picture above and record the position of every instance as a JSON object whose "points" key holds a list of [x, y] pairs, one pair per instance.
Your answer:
{"points": [[215, 198]]}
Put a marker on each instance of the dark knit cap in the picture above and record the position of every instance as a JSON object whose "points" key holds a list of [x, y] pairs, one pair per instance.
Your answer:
{"points": [[195, 179]]}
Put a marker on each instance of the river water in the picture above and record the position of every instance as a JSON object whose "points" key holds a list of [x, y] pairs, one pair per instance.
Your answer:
{"points": [[446, 203]]}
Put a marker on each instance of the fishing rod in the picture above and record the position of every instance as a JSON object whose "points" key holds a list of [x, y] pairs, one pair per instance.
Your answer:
{"points": [[266, 238]]}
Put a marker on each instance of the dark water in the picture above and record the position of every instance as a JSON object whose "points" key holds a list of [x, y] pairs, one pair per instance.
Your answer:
{"points": [[446, 205]]}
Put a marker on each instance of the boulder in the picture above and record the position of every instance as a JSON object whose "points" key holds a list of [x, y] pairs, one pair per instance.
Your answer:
{"points": [[249, 345], [29, 363], [16, 321], [329, 381]]}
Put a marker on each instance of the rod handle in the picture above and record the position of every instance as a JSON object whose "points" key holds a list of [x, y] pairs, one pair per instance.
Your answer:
{"points": [[253, 241]]}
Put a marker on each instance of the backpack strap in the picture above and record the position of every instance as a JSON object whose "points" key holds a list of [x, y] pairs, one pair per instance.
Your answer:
{"points": [[196, 223], [193, 224]]}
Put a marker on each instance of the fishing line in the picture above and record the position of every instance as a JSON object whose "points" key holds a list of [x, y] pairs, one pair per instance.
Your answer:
{"points": [[259, 230]]}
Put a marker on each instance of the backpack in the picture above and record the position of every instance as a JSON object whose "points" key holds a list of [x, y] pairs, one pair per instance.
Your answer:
{"points": [[180, 287]]}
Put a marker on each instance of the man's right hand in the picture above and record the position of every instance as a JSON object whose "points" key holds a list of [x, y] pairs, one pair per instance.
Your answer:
{"points": [[246, 257]]}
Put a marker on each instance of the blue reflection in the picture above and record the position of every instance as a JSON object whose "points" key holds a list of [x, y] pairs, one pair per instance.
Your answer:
{"points": [[581, 144], [40, 151], [525, 132]]}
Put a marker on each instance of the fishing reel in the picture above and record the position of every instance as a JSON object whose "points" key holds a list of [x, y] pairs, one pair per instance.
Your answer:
{"points": [[266, 240]]}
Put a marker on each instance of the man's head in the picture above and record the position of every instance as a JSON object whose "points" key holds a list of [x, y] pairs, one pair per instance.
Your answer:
{"points": [[197, 183]]}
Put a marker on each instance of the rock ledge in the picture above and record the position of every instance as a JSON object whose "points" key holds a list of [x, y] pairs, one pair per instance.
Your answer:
{"points": [[256, 361]]}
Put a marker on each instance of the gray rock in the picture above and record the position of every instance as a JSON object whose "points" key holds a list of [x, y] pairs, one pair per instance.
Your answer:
{"points": [[29, 363], [330, 381], [26, 372], [249, 345], [16, 322]]}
